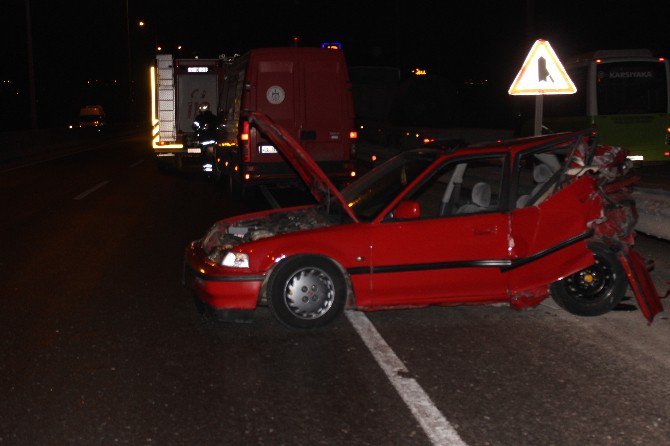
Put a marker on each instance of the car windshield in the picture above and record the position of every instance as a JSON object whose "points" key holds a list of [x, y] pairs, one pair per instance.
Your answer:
{"points": [[375, 190]]}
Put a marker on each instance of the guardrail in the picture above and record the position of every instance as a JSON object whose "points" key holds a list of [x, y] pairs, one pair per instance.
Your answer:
{"points": [[653, 207]]}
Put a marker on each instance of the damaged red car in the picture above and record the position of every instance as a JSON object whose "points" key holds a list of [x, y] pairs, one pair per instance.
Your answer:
{"points": [[516, 221]]}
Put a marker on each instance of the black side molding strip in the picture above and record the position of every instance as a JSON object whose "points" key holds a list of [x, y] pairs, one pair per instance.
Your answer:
{"points": [[545, 252], [504, 265]]}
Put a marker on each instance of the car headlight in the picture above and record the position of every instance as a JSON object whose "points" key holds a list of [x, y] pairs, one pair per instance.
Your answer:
{"points": [[217, 245], [223, 257], [236, 260]]}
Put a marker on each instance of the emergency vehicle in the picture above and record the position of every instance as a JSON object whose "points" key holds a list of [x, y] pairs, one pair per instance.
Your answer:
{"points": [[178, 87], [307, 91]]}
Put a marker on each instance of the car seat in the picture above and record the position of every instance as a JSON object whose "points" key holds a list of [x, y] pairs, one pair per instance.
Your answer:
{"points": [[541, 174], [481, 199]]}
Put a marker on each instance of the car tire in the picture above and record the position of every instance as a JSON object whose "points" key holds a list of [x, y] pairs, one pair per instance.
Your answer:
{"points": [[306, 292], [594, 290]]}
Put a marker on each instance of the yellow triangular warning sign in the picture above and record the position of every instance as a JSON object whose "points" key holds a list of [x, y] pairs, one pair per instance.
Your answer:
{"points": [[542, 73]]}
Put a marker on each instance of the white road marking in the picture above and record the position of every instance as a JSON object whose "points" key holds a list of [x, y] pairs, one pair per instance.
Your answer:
{"points": [[433, 423], [90, 191], [137, 163]]}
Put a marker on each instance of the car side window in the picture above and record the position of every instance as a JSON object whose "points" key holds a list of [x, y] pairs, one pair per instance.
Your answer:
{"points": [[462, 187], [537, 174]]}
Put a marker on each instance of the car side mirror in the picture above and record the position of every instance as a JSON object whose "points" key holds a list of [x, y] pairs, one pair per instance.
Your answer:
{"points": [[407, 210]]}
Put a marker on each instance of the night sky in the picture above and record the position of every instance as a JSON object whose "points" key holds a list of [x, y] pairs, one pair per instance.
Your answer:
{"points": [[75, 42]]}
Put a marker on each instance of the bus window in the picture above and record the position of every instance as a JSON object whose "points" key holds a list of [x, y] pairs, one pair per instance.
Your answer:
{"points": [[631, 88]]}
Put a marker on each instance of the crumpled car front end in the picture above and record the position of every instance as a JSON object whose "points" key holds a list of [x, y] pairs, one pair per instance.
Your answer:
{"points": [[616, 227]]}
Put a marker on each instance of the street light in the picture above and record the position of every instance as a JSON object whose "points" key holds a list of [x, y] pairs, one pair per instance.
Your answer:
{"points": [[137, 24]]}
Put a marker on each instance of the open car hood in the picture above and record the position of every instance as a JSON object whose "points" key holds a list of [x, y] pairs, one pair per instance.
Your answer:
{"points": [[317, 181]]}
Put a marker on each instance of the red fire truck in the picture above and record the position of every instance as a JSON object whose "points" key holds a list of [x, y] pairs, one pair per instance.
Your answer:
{"points": [[178, 88]]}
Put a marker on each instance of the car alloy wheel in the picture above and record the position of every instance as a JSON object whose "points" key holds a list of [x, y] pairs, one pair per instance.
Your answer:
{"points": [[306, 291], [309, 293]]}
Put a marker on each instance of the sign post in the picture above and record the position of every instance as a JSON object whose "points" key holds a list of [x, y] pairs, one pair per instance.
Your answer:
{"points": [[539, 106], [541, 73]]}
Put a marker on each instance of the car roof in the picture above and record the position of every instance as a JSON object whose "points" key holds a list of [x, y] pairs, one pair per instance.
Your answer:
{"points": [[515, 146]]}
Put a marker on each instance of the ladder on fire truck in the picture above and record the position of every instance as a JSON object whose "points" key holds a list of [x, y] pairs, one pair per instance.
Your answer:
{"points": [[166, 99]]}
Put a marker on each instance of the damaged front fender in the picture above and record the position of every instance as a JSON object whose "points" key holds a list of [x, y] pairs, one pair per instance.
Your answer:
{"points": [[640, 282]]}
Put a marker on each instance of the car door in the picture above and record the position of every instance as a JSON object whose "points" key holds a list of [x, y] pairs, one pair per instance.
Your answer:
{"points": [[453, 250], [550, 225]]}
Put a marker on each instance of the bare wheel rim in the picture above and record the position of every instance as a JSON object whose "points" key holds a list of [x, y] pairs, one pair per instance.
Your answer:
{"points": [[309, 293], [592, 282]]}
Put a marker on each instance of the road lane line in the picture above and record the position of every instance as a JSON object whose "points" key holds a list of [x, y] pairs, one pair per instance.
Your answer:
{"points": [[137, 163], [434, 424], [90, 191]]}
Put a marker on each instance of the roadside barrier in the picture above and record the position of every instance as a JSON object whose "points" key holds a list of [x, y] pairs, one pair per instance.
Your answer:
{"points": [[653, 207]]}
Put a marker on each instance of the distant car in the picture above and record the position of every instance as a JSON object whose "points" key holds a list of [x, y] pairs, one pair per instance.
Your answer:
{"points": [[92, 117], [514, 222]]}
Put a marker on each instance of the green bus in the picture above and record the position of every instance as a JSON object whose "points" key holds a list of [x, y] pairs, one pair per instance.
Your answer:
{"points": [[623, 95]]}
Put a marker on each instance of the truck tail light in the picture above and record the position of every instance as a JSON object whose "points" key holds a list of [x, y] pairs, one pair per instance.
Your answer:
{"points": [[244, 141]]}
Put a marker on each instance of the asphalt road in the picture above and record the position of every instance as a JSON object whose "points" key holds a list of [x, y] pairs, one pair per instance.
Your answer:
{"points": [[100, 344]]}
